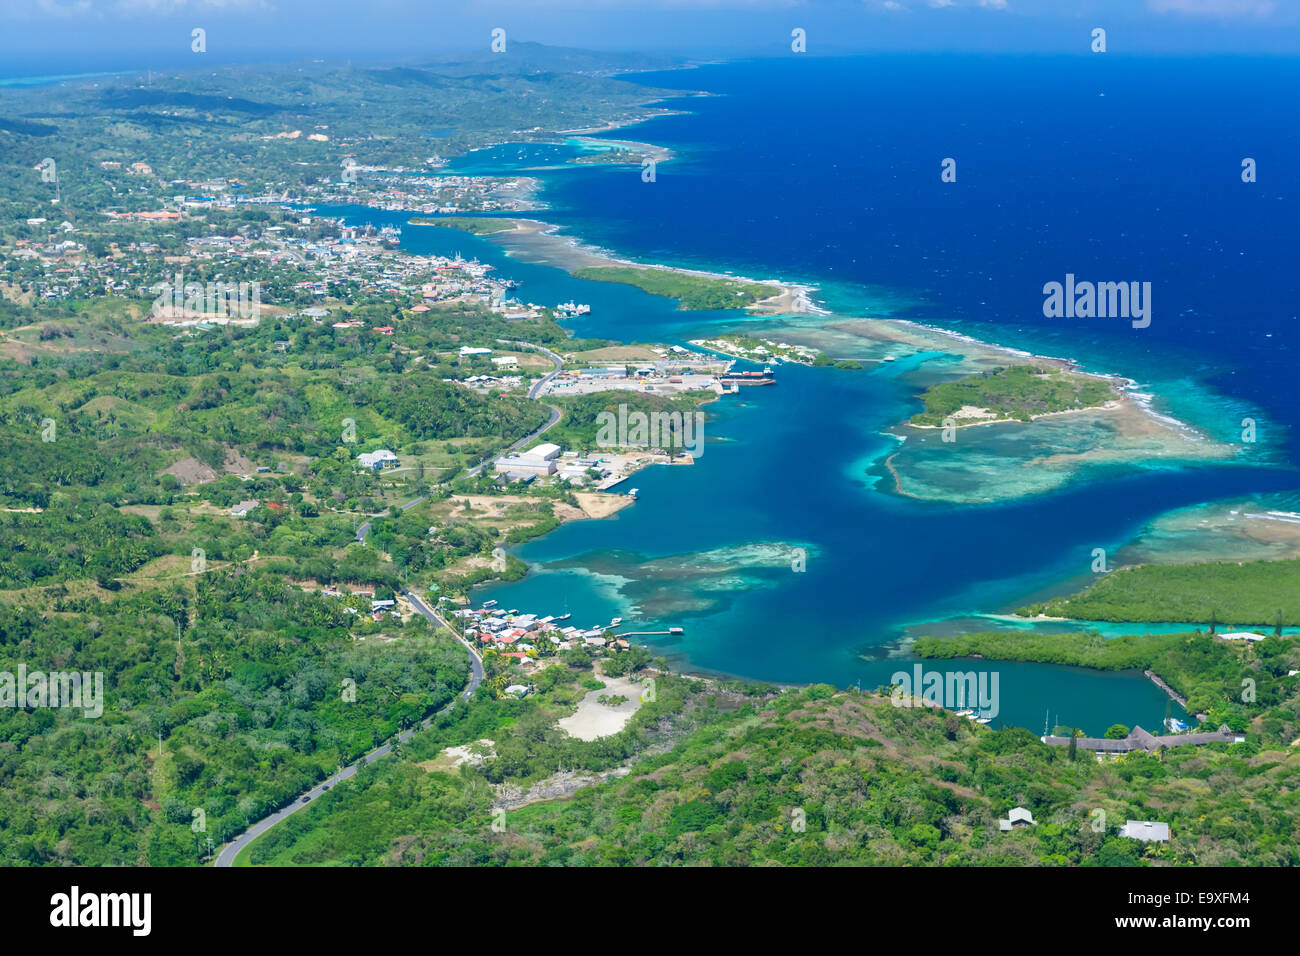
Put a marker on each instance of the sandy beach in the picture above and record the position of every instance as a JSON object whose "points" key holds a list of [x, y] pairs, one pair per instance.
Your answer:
{"points": [[591, 504]]}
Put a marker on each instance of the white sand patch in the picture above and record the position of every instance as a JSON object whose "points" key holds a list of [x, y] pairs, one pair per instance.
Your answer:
{"points": [[453, 757], [972, 411], [594, 720]]}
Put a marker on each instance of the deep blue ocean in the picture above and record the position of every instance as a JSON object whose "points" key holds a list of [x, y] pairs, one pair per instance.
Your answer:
{"points": [[828, 171]]}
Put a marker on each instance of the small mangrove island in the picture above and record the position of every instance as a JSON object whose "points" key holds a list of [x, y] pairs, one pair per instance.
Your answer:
{"points": [[1259, 593], [1019, 393]]}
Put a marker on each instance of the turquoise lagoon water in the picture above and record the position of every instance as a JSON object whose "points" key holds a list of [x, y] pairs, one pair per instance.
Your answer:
{"points": [[709, 547], [712, 547]]}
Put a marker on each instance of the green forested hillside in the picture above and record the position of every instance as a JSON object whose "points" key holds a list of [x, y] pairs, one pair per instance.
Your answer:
{"points": [[239, 684], [223, 667], [814, 777]]}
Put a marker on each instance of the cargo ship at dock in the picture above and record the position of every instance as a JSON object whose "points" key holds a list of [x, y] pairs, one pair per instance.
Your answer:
{"points": [[765, 377]]}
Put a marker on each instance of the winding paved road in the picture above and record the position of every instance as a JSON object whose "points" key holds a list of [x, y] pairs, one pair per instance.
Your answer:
{"points": [[533, 392], [532, 436], [232, 849], [365, 528]]}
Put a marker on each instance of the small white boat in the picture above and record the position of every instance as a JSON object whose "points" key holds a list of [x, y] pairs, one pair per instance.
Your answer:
{"points": [[632, 493], [616, 622]]}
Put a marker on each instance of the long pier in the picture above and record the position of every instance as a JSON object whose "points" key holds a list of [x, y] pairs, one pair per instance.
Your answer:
{"points": [[1159, 682]]}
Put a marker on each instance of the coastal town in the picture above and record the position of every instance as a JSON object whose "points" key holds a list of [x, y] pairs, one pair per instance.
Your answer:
{"points": [[343, 261], [408, 526], [527, 636]]}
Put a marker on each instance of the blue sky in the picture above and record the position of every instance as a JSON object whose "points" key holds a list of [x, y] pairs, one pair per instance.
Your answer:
{"points": [[100, 34]]}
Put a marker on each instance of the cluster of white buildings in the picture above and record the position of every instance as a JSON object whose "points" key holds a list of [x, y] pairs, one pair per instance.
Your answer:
{"points": [[357, 255], [536, 462], [485, 383], [547, 460], [765, 351], [457, 277], [502, 363], [65, 269], [408, 191]]}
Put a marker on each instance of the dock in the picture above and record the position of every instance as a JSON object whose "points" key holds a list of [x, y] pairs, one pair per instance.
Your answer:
{"points": [[1159, 682]]}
